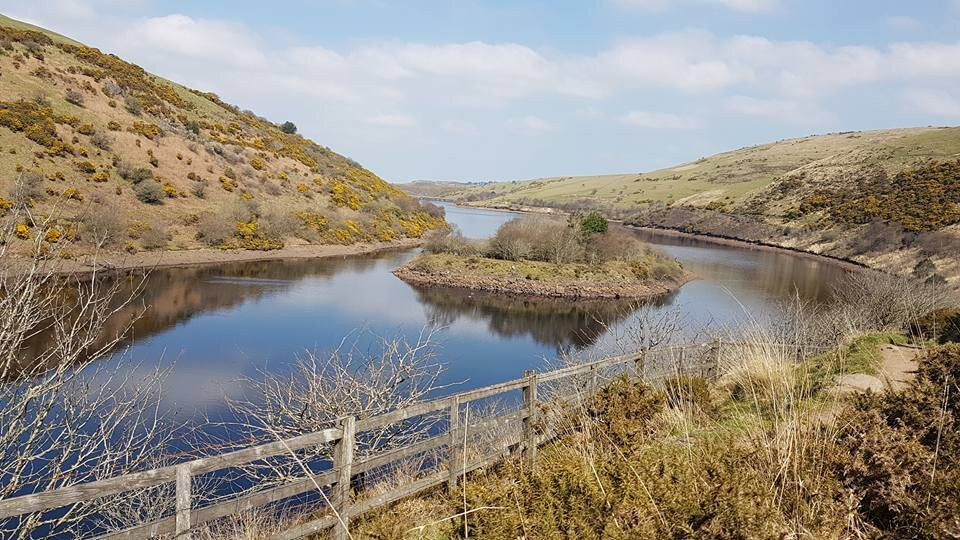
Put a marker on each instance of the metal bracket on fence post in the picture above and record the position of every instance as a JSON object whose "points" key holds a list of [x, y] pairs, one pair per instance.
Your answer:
{"points": [[530, 404], [343, 462], [183, 502], [454, 455]]}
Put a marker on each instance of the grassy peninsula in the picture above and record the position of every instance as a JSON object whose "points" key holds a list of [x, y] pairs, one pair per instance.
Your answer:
{"points": [[580, 257]]}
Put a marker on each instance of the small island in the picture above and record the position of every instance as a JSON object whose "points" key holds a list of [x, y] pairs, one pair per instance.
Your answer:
{"points": [[583, 256]]}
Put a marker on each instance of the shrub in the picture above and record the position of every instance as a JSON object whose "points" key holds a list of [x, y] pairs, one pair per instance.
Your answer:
{"points": [[154, 237], [278, 224], [627, 411], [451, 241], [171, 190], [344, 196], [536, 239], [113, 125], [146, 129], [101, 176], [924, 198], [37, 123], [199, 189], [149, 192], [27, 189], [214, 230], [942, 326], [53, 235], [288, 127], [593, 223], [884, 302], [104, 225], [899, 452], [134, 175], [74, 97], [133, 105], [85, 166], [101, 140], [86, 129], [22, 231], [258, 164]]}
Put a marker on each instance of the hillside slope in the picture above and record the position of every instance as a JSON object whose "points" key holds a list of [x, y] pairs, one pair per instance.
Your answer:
{"points": [[96, 150], [732, 177], [888, 198]]}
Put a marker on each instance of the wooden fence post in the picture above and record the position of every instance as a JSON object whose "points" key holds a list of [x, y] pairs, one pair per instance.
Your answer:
{"points": [[715, 368], [343, 462], [183, 502], [530, 404], [454, 454]]}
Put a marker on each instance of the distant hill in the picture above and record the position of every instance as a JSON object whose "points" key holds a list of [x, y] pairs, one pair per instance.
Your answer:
{"points": [[890, 198], [434, 189], [99, 149]]}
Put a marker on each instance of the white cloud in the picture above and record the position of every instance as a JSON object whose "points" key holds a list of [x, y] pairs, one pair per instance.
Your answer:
{"points": [[458, 127], [392, 120], [750, 6], [933, 102], [781, 110], [196, 39], [646, 119], [686, 61], [529, 124]]}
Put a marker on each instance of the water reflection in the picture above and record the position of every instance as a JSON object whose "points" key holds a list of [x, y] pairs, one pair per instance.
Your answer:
{"points": [[223, 322], [553, 322]]}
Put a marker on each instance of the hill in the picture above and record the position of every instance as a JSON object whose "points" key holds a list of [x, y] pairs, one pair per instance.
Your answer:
{"points": [[434, 189], [94, 149], [888, 198]]}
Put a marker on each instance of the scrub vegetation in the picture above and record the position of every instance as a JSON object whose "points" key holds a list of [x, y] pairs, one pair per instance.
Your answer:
{"points": [[581, 256], [100, 136], [770, 448]]}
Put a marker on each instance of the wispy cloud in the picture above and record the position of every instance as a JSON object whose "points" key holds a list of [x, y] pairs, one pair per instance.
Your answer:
{"points": [[658, 120], [933, 102]]}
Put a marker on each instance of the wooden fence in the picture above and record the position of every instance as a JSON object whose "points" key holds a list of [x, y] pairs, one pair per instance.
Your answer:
{"points": [[336, 481]]}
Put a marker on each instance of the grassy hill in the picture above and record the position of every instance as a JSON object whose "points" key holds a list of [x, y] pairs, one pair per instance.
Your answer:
{"points": [[93, 148], [733, 177], [433, 188], [888, 198]]}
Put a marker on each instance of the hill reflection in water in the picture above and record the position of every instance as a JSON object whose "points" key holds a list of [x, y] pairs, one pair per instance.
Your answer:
{"points": [[552, 322]]}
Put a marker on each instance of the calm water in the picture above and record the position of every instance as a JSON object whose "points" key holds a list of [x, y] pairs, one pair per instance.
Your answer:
{"points": [[217, 324]]}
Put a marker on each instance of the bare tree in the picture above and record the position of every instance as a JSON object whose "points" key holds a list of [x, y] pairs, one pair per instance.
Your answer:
{"points": [[879, 301], [326, 386], [68, 415]]}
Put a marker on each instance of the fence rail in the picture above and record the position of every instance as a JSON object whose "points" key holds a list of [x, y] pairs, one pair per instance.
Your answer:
{"points": [[702, 358]]}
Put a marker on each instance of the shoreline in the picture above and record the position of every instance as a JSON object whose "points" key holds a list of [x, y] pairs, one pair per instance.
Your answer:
{"points": [[119, 262], [758, 245]]}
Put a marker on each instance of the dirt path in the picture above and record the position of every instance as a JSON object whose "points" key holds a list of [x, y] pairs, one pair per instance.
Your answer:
{"points": [[898, 365]]}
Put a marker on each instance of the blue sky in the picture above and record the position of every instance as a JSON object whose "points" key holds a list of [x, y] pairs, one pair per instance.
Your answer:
{"points": [[499, 90]]}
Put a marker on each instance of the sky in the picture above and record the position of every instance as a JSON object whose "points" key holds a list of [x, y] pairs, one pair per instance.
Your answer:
{"points": [[501, 90]]}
